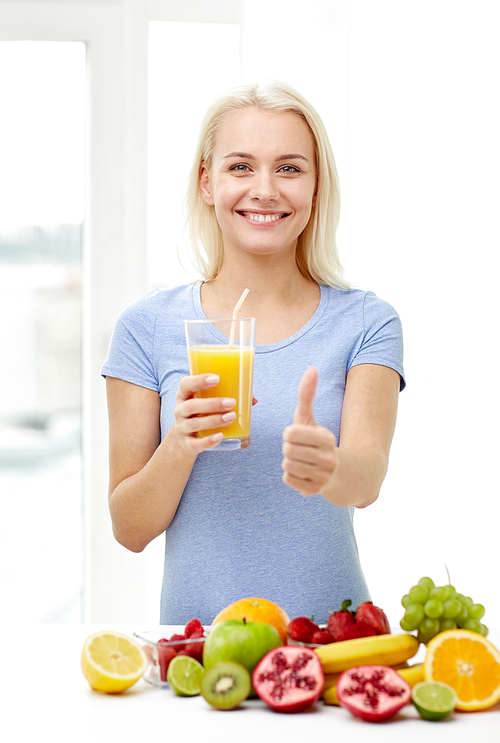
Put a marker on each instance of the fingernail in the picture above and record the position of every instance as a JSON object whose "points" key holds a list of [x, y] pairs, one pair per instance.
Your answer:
{"points": [[229, 417], [228, 402], [212, 379]]}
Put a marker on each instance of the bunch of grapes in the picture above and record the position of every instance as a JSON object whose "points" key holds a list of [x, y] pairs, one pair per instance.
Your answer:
{"points": [[430, 609]]}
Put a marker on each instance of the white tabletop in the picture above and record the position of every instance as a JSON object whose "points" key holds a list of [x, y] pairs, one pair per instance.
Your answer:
{"points": [[44, 696]]}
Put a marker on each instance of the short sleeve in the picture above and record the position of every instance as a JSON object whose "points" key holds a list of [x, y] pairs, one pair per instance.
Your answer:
{"points": [[382, 341], [131, 352]]}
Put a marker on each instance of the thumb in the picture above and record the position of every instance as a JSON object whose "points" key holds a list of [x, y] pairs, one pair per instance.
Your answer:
{"points": [[304, 413]]}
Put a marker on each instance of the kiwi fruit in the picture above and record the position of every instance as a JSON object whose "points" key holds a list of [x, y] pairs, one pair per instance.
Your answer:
{"points": [[226, 684]]}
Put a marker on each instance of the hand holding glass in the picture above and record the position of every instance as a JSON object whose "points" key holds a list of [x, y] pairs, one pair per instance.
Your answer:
{"points": [[211, 352]]}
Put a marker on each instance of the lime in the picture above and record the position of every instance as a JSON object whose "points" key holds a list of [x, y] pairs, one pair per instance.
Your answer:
{"points": [[184, 675], [434, 699]]}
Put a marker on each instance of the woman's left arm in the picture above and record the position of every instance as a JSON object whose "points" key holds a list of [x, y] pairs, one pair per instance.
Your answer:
{"points": [[351, 473]]}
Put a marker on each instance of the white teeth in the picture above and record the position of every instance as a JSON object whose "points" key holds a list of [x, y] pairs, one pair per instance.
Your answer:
{"points": [[262, 217]]}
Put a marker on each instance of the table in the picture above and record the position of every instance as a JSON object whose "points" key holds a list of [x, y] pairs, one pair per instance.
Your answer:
{"points": [[44, 696]]}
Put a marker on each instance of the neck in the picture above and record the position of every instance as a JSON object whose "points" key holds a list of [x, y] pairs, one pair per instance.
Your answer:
{"points": [[270, 282]]}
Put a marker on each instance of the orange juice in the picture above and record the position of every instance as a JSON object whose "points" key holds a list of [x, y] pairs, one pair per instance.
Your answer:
{"points": [[235, 369]]}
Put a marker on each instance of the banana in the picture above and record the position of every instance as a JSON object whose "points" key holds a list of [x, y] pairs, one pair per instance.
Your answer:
{"points": [[386, 650], [412, 674]]}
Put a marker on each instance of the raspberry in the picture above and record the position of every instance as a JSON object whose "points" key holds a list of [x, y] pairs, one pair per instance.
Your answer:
{"points": [[194, 628]]}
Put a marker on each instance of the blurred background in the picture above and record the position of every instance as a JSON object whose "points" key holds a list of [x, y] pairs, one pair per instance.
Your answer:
{"points": [[101, 105]]}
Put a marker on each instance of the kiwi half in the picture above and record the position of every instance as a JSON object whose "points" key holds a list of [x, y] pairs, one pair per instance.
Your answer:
{"points": [[226, 684]]}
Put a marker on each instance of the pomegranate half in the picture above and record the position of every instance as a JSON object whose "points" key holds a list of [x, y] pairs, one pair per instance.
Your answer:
{"points": [[289, 678], [373, 693]]}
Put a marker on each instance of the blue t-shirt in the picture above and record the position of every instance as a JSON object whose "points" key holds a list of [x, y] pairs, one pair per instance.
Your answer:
{"points": [[238, 530]]}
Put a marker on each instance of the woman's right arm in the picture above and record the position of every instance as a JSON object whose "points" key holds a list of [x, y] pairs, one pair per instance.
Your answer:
{"points": [[147, 478]]}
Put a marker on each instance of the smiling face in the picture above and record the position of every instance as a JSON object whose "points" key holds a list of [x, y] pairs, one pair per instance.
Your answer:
{"points": [[262, 180]]}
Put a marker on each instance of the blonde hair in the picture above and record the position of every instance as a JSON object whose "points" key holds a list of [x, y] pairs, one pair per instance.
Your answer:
{"points": [[316, 255]]}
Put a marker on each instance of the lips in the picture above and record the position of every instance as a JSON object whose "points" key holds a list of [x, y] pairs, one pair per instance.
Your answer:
{"points": [[263, 218]]}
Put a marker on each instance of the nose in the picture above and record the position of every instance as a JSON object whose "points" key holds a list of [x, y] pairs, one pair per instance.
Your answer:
{"points": [[264, 187]]}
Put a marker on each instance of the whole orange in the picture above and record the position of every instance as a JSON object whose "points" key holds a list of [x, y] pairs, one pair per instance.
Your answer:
{"points": [[257, 610]]}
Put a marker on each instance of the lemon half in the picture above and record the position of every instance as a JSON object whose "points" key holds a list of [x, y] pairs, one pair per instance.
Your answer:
{"points": [[112, 662]]}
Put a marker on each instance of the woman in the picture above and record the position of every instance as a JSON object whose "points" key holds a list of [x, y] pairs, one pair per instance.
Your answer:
{"points": [[274, 520]]}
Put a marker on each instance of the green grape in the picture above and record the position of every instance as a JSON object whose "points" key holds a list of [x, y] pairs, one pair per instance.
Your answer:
{"points": [[476, 611], [467, 601], [404, 624], [450, 592], [433, 609], [451, 608], [438, 593], [460, 597], [413, 615], [462, 617], [406, 600], [472, 625], [419, 594], [483, 629], [426, 583], [445, 624], [428, 628]]}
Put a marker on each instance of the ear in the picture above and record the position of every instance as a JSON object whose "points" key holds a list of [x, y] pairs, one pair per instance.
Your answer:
{"points": [[205, 186]]}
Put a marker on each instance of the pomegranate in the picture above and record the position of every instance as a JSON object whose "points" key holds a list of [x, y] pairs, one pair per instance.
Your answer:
{"points": [[372, 693], [289, 678]]}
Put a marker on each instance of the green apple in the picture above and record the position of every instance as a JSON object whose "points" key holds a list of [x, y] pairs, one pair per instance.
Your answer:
{"points": [[240, 641]]}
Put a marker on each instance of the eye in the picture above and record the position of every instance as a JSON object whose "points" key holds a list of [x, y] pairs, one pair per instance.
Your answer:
{"points": [[239, 168], [289, 169]]}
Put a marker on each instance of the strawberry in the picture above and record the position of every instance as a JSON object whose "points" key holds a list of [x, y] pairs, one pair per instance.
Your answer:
{"points": [[322, 637], [340, 621], [373, 616], [358, 629], [302, 629]]}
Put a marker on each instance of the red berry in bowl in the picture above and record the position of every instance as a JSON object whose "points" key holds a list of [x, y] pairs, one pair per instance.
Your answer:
{"points": [[165, 655], [180, 645], [302, 629], [289, 678], [372, 693], [194, 628]]}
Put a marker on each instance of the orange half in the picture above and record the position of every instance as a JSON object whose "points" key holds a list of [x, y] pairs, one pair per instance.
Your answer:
{"points": [[469, 663], [257, 610]]}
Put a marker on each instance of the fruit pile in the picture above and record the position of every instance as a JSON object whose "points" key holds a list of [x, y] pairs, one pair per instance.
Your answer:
{"points": [[367, 621], [431, 609], [361, 666]]}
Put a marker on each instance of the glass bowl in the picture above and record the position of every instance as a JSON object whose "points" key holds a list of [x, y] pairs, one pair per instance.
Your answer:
{"points": [[159, 651]]}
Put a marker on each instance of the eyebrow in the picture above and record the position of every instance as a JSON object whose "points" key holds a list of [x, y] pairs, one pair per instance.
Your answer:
{"points": [[247, 156]]}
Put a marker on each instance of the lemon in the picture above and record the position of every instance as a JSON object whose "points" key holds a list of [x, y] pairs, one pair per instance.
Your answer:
{"points": [[112, 662]]}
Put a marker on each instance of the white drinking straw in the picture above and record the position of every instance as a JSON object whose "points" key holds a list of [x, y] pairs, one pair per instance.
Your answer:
{"points": [[235, 315]]}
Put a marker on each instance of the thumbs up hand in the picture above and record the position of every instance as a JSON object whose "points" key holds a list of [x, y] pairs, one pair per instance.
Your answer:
{"points": [[309, 450]]}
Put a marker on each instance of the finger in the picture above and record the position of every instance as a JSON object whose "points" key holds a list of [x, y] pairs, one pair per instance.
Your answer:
{"points": [[304, 413], [199, 423], [204, 406], [189, 385]]}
